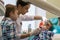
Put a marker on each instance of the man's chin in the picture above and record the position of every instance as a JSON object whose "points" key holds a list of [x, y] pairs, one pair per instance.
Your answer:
{"points": [[23, 14]]}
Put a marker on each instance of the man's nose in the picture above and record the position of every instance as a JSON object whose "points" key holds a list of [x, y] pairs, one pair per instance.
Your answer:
{"points": [[26, 11]]}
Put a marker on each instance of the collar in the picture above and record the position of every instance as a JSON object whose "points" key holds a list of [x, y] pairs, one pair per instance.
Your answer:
{"points": [[10, 19]]}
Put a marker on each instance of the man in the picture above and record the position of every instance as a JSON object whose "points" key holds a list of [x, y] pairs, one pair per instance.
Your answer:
{"points": [[22, 10]]}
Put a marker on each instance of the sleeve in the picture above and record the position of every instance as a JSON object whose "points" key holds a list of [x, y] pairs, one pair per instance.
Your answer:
{"points": [[26, 18], [18, 31]]}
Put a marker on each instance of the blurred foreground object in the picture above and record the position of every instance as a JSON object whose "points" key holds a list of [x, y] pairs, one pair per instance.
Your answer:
{"points": [[2, 8], [45, 5]]}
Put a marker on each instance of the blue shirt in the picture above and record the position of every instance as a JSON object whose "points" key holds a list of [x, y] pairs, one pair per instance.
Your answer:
{"points": [[44, 35], [8, 29]]}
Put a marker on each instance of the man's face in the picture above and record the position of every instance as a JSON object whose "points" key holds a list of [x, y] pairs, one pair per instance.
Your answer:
{"points": [[16, 14], [23, 10]]}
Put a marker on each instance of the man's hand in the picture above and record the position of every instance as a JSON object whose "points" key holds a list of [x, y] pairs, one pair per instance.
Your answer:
{"points": [[35, 32]]}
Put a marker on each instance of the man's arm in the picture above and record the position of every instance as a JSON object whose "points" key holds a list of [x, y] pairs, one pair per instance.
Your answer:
{"points": [[19, 35], [38, 18], [30, 18], [22, 36], [35, 32]]}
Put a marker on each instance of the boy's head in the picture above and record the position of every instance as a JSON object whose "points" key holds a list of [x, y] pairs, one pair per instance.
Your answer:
{"points": [[22, 7], [45, 24], [11, 11], [48, 24]]}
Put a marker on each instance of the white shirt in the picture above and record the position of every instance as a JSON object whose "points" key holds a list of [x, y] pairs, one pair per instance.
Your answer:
{"points": [[23, 18]]}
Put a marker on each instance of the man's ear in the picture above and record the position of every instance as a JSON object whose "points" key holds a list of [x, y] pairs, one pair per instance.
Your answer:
{"points": [[19, 7]]}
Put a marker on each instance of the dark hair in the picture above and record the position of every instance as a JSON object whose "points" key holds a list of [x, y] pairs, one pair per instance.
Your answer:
{"points": [[9, 8], [22, 3], [48, 21], [51, 28]]}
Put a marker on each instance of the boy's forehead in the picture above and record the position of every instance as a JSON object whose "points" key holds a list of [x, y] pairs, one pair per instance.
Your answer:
{"points": [[46, 22]]}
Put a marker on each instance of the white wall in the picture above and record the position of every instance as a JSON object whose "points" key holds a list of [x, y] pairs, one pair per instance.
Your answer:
{"points": [[10, 2]]}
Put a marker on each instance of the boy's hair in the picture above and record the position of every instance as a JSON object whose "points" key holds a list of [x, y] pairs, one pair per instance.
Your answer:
{"points": [[22, 3], [9, 8], [48, 21], [51, 28]]}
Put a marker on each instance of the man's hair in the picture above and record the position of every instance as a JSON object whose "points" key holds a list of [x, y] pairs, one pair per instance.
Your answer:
{"points": [[22, 3], [9, 8]]}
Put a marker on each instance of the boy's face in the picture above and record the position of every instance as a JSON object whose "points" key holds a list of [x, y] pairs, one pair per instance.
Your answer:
{"points": [[48, 25], [14, 15], [23, 10]]}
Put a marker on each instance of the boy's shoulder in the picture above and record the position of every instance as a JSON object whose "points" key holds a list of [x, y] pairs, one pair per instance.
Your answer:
{"points": [[6, 21]]}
